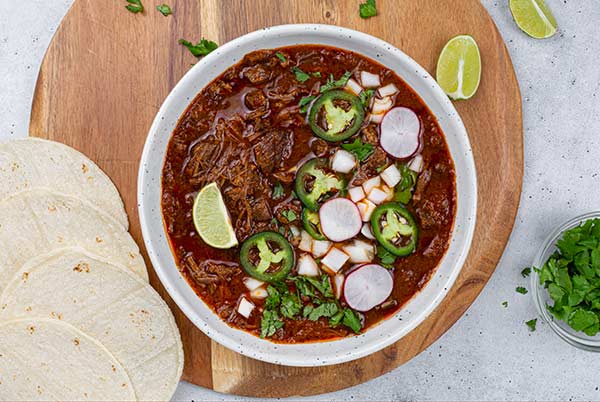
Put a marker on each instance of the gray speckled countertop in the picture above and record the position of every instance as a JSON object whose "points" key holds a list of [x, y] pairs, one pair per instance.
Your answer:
{"points": [[489, 354]]}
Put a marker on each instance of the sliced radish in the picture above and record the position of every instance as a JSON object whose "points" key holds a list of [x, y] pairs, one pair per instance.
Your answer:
{"points": [[391, 175], [340, 219], [307, 266], [416, 164], [343, 161], [353, 87], [367, 286], [369, 80], [377, 196], [366, 231], [245, 307], [306, 241], [388, 90], [359, 251], [252, 283], [320, 248], [338, 284], [376, 118], [381, 106], [259, 293], [400, 132], [356, 194], [366, 208], [371, 184], [335, 259]]}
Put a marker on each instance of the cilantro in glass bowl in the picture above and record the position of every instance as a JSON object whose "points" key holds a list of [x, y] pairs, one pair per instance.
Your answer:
{"points": [[566, 281]]}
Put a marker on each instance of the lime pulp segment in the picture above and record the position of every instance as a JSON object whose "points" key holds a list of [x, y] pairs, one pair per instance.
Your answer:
{"points": [[211, 218], [459, 67]]}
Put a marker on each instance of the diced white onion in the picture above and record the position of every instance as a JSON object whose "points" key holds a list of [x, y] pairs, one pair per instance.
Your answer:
{"points": [[389, 191], [252, 283], [307, 266], [388, 90], [353, 86], [359, 251], [320, 248], [338, 283], [366, 231], [369, 80], [377, 196], [306, 241], [356, 194], [259, 293], [343, 161], [391, 175], [366, 208], [335, 259], [371, 184], [376, 118], [295, 231], [416, 164], [380, 106], [245, 307]]}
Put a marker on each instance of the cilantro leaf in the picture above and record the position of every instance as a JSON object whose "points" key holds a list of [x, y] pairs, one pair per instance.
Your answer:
{"points": [[278, 191], [324, 310], [281, 57], [404, 189], [300, 75], [360, 149], [365, 97], [273, 299], [368, 9], [164, 9], [584, 320], [270, 323], [332, 83], [289, 214], [135, 6], [305, 102], [316, 74], [531, 324], [290, 305], [200, 49], [386, 258], [351, 320], [521, 289], [505, 304], [525, 272]]}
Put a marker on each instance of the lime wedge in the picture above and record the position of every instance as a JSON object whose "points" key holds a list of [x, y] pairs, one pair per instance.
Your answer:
{"points": [[211, 218], [534, 18], [459, 67]]}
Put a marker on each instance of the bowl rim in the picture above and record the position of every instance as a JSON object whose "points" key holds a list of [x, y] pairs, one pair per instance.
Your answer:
{"points": [[274, 354], [572, 337]]}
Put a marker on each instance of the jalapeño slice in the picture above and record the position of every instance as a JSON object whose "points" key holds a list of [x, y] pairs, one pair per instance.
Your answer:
{"points": [[315, 183], [267, 256], [312, 224], [336, 115], [395, 228]]}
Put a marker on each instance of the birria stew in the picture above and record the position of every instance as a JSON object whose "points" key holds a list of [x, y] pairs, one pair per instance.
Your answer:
{"points": [[338, 185]]}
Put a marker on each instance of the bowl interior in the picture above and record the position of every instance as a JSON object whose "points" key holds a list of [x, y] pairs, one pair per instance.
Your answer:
{"points": [[149, 195], [542, 298]]}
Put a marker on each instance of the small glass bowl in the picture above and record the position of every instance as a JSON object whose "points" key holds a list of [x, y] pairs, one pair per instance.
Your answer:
{"points": [[541, 296]]}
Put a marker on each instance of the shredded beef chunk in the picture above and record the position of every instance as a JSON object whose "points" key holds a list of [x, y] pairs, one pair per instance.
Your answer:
{"points": [[273, 148], [256, 74], [256, 99], [434, 211], [369, 135], [369, 168]]}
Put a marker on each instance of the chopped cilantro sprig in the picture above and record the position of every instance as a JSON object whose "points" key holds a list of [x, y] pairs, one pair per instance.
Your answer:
{"points": [[200, 49]]}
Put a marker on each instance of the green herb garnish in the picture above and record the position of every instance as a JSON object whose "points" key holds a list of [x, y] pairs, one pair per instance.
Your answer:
{"points": [[135, 6], [290, 305], [200, 49], [404, 189], [386, 258], [351, 320], [365, 97], [304, 103], [300, 75], [164, 10], [316, 74], [368, 9], [328, 310], [281, 57], [278, 191], [525, 272], [360, 149], [505, 304], [521, 289], [289, 214], [531, 324], [332, 83], [270, 323]]}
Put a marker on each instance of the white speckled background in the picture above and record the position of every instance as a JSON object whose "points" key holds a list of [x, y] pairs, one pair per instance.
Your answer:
{"points": [[489, 354]]}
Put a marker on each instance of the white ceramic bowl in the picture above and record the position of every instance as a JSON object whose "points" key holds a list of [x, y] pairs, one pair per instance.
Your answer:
{"points": [[149, 197]]}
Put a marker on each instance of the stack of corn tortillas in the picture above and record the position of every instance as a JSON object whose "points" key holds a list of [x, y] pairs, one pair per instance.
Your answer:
{"points": [[78, 319]]}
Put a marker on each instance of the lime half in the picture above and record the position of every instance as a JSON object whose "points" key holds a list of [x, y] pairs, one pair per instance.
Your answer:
{"points": [[459, 67], [534, 18], [211, 218]]}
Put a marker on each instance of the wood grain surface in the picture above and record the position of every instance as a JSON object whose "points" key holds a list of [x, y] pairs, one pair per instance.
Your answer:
{"points": [[107, 72]]}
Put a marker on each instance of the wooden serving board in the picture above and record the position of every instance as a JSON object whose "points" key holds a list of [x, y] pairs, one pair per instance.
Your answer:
{"points": [[107, 72]]}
